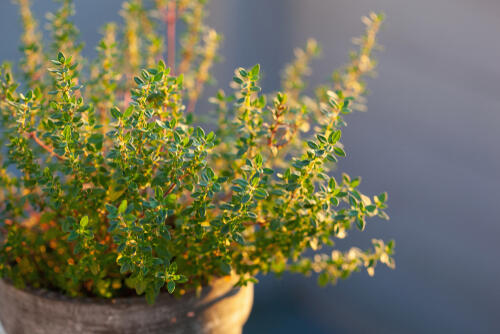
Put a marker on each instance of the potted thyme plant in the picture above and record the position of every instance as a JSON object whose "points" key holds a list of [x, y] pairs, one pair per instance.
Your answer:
{"points": [[110, 188]]}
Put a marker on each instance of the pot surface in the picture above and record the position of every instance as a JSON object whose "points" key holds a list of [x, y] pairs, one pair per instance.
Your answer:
{"points": [[220, 309]]}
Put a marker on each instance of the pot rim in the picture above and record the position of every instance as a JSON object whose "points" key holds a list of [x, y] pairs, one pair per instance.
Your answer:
{"points": [[164, 296]]}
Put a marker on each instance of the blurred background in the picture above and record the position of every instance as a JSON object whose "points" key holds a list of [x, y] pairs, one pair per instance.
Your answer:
{"points": [[430, 139]]}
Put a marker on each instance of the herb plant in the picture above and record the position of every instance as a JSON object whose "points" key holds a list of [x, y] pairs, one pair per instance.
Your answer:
{"points": [[108, 185]]}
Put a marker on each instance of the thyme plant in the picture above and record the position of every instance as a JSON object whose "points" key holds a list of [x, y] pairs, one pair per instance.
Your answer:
{"points": [[109, 186]]}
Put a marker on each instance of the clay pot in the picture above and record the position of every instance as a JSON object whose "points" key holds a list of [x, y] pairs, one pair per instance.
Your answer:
{"points": [[220, 309]]}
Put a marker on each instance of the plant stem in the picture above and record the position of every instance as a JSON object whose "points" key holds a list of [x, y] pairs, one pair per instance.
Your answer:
{"points": [[191, 105], [45, 146], [170, 20], [172, 186]]}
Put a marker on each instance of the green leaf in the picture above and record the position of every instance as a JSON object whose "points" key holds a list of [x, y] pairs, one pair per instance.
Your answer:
{"points": [[261, 193], [321, 138], [96, 139], [128, 112], [237, 80], [172, 268], [210, 173], [360, 223], [238, 238], [199, 132], [161, 65], [312, 145], [355, 182], [334, 137], [258, 160], [254, 72], [84, 221], [245, 198], [243, 73], [138, 81], [371, 208], [339, 151], [122, 207], [158, 76], [67, 133], [268, 171], [61, 58], [332, 183], [115, 112], [383, 215], [210, 137], [171, 287], [241, 182]]}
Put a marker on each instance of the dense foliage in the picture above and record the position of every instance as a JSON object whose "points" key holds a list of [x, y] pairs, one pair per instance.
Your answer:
{"points": [[108, 186]]}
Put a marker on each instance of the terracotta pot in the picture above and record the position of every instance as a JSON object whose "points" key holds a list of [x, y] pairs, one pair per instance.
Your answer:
{"points": [[220, 309]]}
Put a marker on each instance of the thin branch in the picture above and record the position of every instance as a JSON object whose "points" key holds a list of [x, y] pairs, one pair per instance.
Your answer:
{"points": [[192, 105], [188, 52], [254, 223], [169, 190], [46, 147], [197, 90], [170, 20], [211, 45], [172, 186]]}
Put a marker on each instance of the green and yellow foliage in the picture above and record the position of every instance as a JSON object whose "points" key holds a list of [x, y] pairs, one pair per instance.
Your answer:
{"points": [[108, 185]]}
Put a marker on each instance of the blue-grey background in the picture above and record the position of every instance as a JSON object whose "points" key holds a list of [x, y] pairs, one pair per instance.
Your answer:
{"points": [[431, 139]]}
